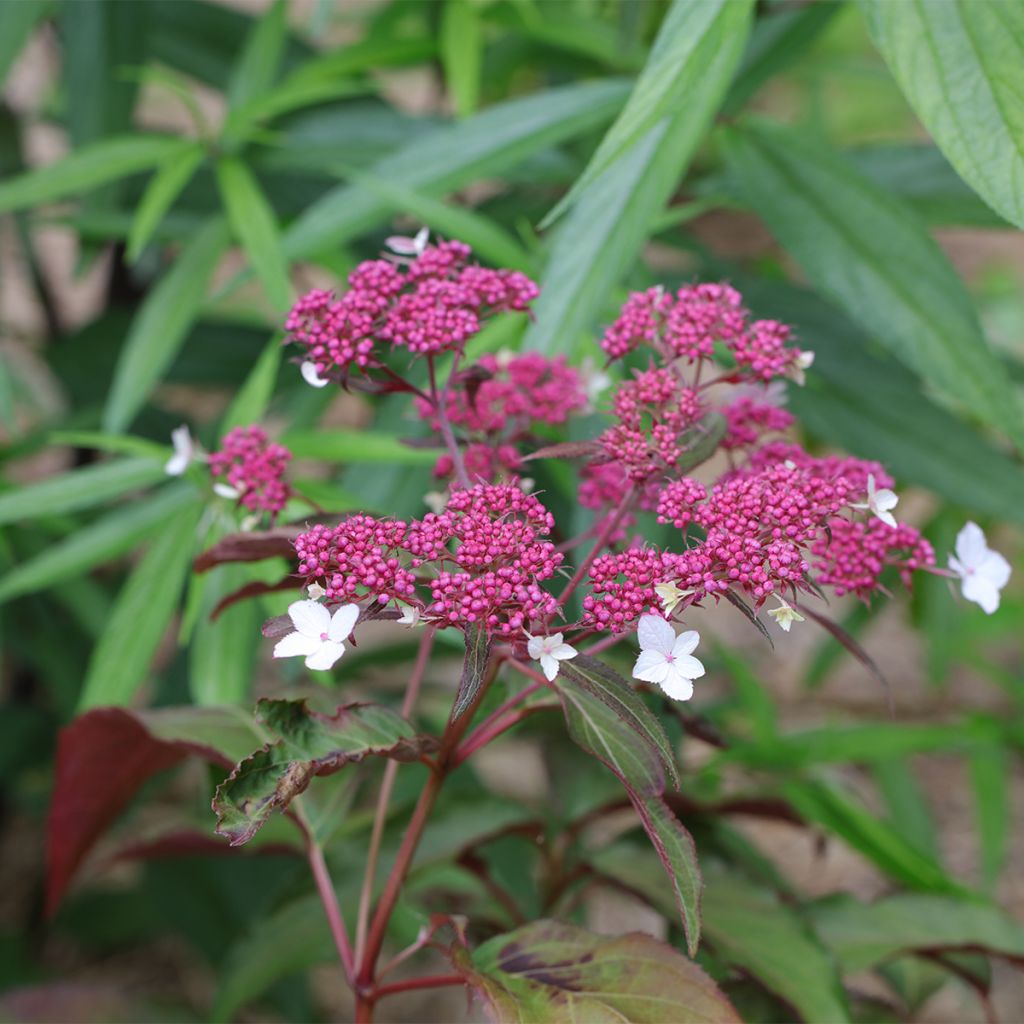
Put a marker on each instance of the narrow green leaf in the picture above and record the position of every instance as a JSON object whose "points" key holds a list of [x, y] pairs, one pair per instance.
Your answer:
{"points": [[17, 21], [368, 54], [958, 63], [990, 774], [875, 259], [97, 543], [164, 187], [79, 489], [256, 68], [287, 97], [114, 444], [692, 34], [141, 615], [161, 325], [357, 446], [908, 808], [474, 668], [253, 398], [85, 169], [255, 226], [462, 44]]}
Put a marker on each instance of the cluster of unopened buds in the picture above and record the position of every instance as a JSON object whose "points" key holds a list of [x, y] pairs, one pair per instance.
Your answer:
{"points": [[695, 439]]}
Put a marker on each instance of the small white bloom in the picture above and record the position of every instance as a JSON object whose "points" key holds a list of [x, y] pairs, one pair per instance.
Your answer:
{"points": [[315, 591], [184, 452], [503, 357], [404, 246], [785, 615], [226, 491], [410, 614], [249, 523], [879, 502], [549, 651], [670, 595], [982, 571], [318, 635], [595, 381], [804, 361], [527, 484], [667, 659], [311, 375], [436, 501]]}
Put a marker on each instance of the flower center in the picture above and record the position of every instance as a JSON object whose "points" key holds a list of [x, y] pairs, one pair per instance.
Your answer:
{"points": [[323, 636]]}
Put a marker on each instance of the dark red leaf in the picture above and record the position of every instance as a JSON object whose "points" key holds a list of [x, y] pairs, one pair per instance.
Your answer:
{"points": [[254, 589], [250, 547], [565, 450], [192, 843]]}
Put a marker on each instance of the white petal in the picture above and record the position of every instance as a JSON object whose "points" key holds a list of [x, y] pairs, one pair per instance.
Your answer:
{"points": [[887, 517], [311, 375], [535, 646], [957, 567], [549, 666], [686, 643], [410, 615], [971, 547], [651, 667], [687, 665], [181, 439], [421, 240], [677, 686], [226, 491], [401, 244], [310, 618], [886, 499], [655, 634], [995, 569], [342, 622], [177, 464], [315, 591], [564, 652], [323, 658], [296, 645], [982, 592]]}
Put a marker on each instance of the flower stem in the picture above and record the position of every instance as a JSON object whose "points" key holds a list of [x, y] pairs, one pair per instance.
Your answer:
{"points": [[440, 401], [329, 899], [411, 984], [493, 725]]}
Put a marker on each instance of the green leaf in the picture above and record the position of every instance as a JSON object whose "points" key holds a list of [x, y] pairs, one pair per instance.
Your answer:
{"points": [[598, 243], [256, 68], [115, 444], [164, 187], [908, 808], [691, 36], [309, 744], [553, 973], [85, 169], [254, 225], [989, 774], [17, 22], [455, 155], [98, 542], [353, 446], [462, 45], [958, 63], [253, 398], [864, 935], [161, 325], [79, 489], [875, 259], [474, 668], [141, 616]]}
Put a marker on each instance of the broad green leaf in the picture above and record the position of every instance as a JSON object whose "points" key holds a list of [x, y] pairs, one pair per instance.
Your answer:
{"points": [[254, 225], [256, 68], [863, 935], [100, 541], [474, 668], [307, 744], [253, 398], [161, 325], [79, 489], [164, 187], [357, 446], [990, 773], [875, 259], [85, 169], [958, 63], [597, 244], [683, 54], [553, 973], [141, 615], [462, 44], [455, 155], [17, 21], [223, 734]]}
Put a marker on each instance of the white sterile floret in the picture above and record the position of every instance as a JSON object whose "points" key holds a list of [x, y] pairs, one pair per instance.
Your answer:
{"points": [[595, 381], [667, 659], [785, 615], [982, 571], [409, 246], [184, 452], [315, 591], [311, 375], [549, 651], [670, 595], [804, 361], [226, 491], [879, 503], [318, 635], [410, 614]]}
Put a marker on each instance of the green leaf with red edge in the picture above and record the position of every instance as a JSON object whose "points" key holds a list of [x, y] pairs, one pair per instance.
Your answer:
{"points": [[553, 973], [478, 653], [105, 756], [308, 744]]}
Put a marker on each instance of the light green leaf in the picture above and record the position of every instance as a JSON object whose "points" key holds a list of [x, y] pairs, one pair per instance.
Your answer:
{"points": [[990, 773], [599, 241], [686, 48], [357, 446], [462, 44], [908, 808], [256, 68], [164, 187], [253, 398], [875, 259], [78, 489], [85, 169], [959, 64], [161, 325], [121, 660]]}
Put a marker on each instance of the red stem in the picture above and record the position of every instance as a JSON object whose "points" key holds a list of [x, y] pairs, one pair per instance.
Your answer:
{"points": [[411, 984], [473, 742], [441, 408], [329, 899]]}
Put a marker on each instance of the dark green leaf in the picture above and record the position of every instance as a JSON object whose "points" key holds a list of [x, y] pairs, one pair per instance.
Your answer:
{"points": [[357, 446], [908, 809], [253, 398], [17, 21], [256, 68], [474, 668]]}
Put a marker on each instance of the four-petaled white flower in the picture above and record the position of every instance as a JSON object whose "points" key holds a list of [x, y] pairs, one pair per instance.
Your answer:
{"points": [[409, 246], [982, 571], [185, 452], [670, 595], [785, 615], [311, 375], [879, 502], [549, 651], [318, 635], [667, 659]]}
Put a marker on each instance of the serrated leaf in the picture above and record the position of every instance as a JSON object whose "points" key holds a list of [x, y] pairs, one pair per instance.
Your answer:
{"points": [[161, 325], [173, 174], [553, 973], [474, 668], [872, 255], [958, 63], [308, 744]]}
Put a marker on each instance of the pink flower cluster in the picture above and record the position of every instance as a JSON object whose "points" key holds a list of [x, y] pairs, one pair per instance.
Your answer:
{"points": [[747, 419], [435, 304], [255, 468]]}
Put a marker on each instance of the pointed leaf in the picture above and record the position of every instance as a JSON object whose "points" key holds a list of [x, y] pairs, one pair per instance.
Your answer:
{"points": [[356, 446], [461, 42], [250, 547], [256, 68], [253, 398], [474, 668], [163, 189]]}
